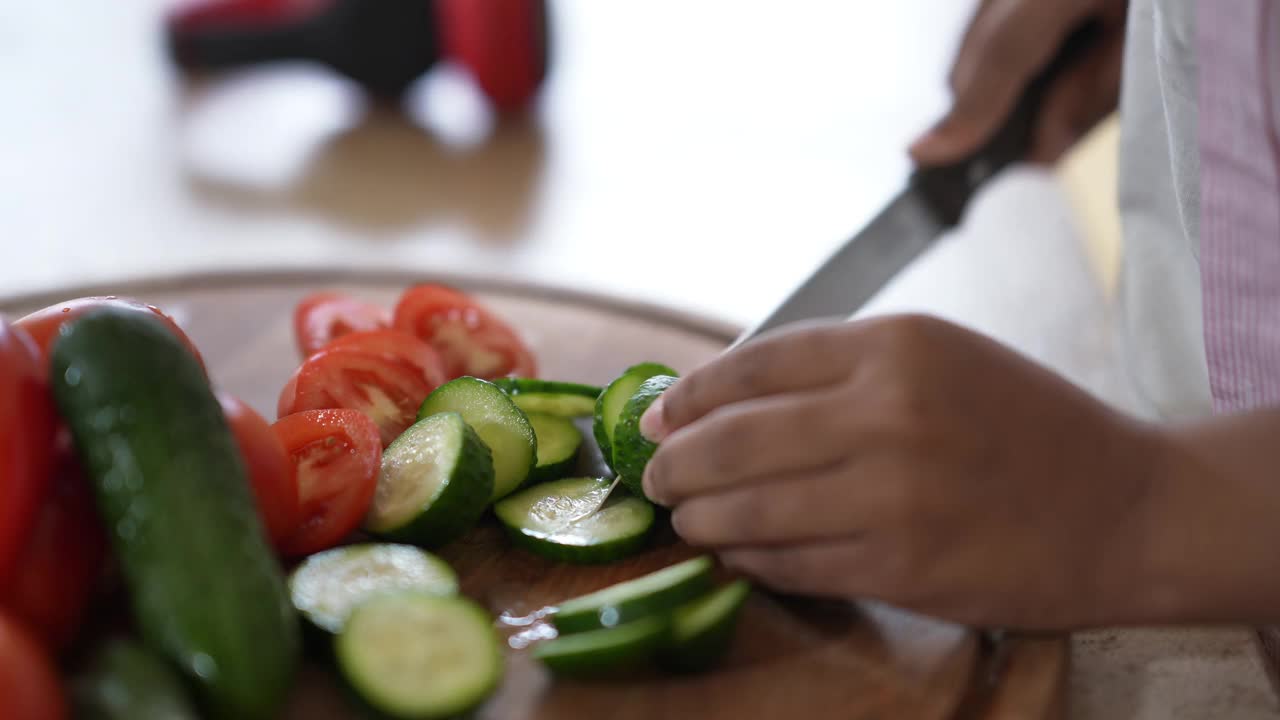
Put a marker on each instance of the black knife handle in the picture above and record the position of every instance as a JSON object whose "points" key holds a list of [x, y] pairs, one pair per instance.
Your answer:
{"points": [[948, 188]]}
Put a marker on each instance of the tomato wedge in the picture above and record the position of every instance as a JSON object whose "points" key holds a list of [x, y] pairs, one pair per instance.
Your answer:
{"points": [[336, 456], [27, 428], [29, 687], [62, 561], [321, 317], [43, 324], [470, 339], [384, 374], [270, 471]]}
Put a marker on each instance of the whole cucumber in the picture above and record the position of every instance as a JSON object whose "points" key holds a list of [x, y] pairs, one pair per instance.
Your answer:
{"points": [[206, 590]]}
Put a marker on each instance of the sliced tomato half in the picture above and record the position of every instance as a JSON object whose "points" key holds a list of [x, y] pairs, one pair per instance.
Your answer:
{"points": [[322, 317], [270, 471], [43, 324], [469, 337], [336, 456], [27, 432], [29, 687]]}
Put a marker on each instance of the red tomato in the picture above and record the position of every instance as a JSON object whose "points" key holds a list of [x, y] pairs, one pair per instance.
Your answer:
{"points": [[62, 560], [502, 43], [336, 457], [472, 340], [387, 385], [29, 687], [27, 428], [321, 317], [270, 471], [43, 324]]}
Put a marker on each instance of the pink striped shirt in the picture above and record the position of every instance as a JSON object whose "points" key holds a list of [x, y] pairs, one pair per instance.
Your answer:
{"points": [[1238, 48]]}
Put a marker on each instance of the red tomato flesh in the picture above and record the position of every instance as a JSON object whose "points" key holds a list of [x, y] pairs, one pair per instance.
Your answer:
{"points": [[29, 688], [27, 427], [470, 339], [322, 317], [336, 456], [270, 470]]}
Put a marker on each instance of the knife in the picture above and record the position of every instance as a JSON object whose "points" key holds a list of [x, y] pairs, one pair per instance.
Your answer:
{"points": [[933, 201]]}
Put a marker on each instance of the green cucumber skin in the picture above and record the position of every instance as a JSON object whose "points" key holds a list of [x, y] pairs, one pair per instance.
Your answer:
{"points": [[640, 372], [704, 650], [651, 636], [522, 386], [206, 589], [470, 487], [430, 406], [559, 467], [631, 449], [575, 620], [126, 681]]}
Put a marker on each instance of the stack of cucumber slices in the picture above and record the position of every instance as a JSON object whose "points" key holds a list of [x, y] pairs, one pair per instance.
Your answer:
{"points": [[516, 443], [673, 616], [404, 639]]}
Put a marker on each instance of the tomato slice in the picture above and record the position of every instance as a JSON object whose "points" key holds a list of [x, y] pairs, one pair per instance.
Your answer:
{"points": [[471, 339], [270, 471], [336, 456], [27, 431], [397, 345], [62, 561], [321, 317], [43, 324], [29, 687], [387, 389]]}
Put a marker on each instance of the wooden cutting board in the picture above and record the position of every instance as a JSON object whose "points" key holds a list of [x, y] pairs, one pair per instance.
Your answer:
{"points": [[792, 657]]}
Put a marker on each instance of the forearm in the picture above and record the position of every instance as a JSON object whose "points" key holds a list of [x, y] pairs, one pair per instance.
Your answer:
{"points": [[1209, 538]]}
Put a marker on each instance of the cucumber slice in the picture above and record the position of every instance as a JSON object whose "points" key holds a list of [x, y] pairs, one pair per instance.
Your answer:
{"points": [[435, 482], [125, 681], [503, 427], [631, 450], [558, 443], [604, 651], [418, 657], [614, 397], [547, 519], [702, 630], [562, 399], [656, 593], [327, 586]]}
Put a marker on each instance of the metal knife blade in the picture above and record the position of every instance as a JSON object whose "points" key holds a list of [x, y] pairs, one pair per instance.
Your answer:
{"points": [[934, 200]]}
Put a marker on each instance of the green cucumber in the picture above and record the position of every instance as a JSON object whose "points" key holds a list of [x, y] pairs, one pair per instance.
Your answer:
{"points": [[126, 681], [434, 484], [420, 657], [702, 630], [605, 651], [206, 589], [558, 443], [562, 399], [631, 450], [327, 586], [499, 423], [548, 520], [656, 593], [610, 403]]}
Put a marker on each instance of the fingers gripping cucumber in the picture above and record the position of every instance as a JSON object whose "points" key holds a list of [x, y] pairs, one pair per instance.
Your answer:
{"points": [[609, 405], [631, 450], [206, 590]]}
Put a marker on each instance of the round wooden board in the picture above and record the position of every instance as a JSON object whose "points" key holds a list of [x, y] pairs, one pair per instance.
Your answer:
{"points": [[792, 658]]}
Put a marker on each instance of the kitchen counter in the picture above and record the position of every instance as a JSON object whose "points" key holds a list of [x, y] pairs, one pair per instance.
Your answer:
{"points": [[703, 156]]}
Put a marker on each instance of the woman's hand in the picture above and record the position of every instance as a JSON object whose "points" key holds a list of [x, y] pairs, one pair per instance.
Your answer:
{"points": [[1007, 44], [907, 459]]}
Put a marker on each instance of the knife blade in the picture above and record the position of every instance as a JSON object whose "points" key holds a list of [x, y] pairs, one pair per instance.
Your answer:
{"points": [[933, 201]]}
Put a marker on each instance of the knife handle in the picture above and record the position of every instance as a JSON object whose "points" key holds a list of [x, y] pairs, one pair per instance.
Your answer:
{"points": [[950, 187]]}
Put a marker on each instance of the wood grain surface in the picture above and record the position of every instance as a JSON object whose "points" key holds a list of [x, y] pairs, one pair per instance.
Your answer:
{"points": [[791, 658]]}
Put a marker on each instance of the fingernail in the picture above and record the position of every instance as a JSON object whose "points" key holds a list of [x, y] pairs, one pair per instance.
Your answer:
{"points": [[647, 483], [653, 425]]}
